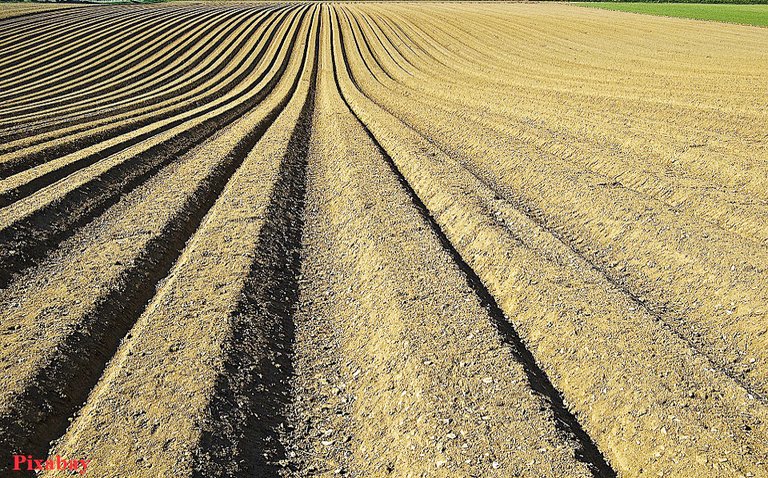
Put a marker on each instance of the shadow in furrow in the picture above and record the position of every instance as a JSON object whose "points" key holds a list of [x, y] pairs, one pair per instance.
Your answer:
{"points": [[64, 146], [26, 242], [587, 451], [658, 310], [36, 25], [40, 414], [66, 39], [26, 103], [248, 411], [198, 59], [32, 74]]}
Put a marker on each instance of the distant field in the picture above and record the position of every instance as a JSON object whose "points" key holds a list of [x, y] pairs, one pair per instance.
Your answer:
{"points": [[731, 13], [14, 9]]}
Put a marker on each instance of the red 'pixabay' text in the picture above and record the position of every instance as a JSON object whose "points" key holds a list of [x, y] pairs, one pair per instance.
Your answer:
{"points": [[29, 463]]}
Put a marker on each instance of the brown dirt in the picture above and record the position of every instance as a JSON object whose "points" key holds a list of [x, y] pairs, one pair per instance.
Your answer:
{"points": [[255, 239]]}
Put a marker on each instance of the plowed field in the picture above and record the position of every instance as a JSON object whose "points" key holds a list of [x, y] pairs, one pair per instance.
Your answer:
{"points": [[255, 239]]}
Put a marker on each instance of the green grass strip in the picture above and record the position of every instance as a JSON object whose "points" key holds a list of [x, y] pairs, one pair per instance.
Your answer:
{"points": [[732, 13]]}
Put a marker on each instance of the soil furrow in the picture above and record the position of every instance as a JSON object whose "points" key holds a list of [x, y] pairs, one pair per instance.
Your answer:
{"points": [[354, 27], [512, 260], [188, 64], [401, 239], [391, 341], [60, 383], [537, 378], [78, 132], [143, 65], [151, 29], [199, 97], [26, 74], [178, 55], [659, 312], [90, 36], [32, 228], [722, 337], [10, 16], [66, 25], [623, 104], [743, 219], [12, 25], [230, 313], [247, 412], [368, 36]]}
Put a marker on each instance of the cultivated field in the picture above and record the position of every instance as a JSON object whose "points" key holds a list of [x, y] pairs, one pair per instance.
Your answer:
{"points": [[383, 239]]}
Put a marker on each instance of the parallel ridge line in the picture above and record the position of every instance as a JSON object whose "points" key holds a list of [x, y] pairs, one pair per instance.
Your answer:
{"points": [[640, 191], [272, 292], [81, 85], [178, 72], [64, 383], [498, 204], [540, 219], [82, 46], [353, 27], [686, 330], [538, 379], [30, 236], [39, 25], [130, 128], [26, 20], [390, 50], [82, 34]]}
